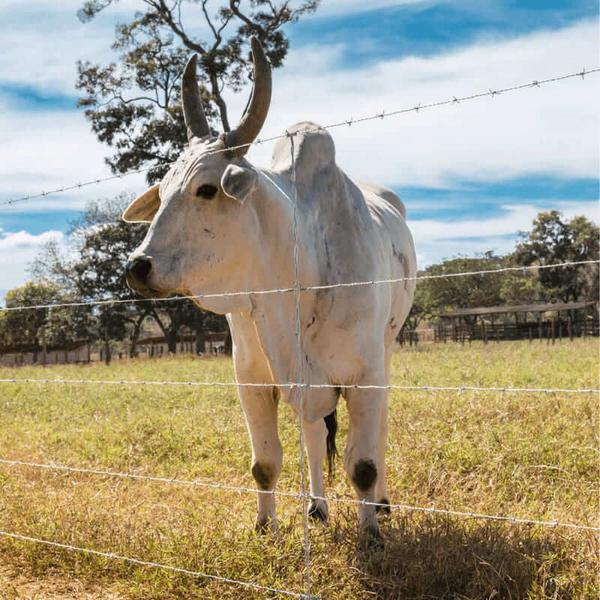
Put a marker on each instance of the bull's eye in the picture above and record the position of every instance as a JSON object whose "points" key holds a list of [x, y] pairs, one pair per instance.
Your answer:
{"points": [[206, 191]]}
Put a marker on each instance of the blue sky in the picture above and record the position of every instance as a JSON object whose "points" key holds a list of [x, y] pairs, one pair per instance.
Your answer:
{"points": [[471, 176]]}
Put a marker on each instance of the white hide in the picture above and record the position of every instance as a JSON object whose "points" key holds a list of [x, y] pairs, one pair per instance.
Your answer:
{"points": [[242, 240]]}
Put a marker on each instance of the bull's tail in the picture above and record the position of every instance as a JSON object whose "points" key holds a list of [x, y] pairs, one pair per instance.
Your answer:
{"points": [[331, 424]]}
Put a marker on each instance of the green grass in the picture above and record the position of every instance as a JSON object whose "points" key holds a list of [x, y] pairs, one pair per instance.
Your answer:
{"points": [[527, 455]]}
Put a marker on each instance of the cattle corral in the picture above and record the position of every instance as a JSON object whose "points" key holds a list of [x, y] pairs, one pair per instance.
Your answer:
{"points": [[529, 455]]}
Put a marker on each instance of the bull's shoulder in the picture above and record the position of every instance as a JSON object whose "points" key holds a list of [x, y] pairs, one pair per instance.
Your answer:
{"points": [[313, 151], [385, 193]]}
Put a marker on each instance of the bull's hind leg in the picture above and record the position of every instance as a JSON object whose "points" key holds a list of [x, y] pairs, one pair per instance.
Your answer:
{"points": [[315, 439], [260, 409], [381, 491], [366, 410]]}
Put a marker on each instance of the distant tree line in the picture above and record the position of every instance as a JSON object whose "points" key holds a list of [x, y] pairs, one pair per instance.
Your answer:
{"points": [[552, 239], [92, 268]]}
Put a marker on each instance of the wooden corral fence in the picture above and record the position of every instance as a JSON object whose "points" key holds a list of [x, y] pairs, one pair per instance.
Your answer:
{"points": [[17, 356], [214, 343], [85, 351], [549, 321]]}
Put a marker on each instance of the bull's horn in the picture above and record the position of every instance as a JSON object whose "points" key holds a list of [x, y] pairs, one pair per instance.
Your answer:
{"points": [[193, 113], [258, 106]]}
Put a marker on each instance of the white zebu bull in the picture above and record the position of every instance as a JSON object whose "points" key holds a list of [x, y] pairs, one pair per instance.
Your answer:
{"points": [[220, 224]]}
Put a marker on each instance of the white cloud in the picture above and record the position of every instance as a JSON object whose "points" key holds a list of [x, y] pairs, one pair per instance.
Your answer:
{"points": [[552, 130], [330, 8], [22, 239], [436, 239], [17, 251], [549, 131]]}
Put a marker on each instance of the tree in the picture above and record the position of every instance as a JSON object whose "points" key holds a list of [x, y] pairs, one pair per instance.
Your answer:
{"points": [[38, 328], [446, 293], [553, 239], [437, 294], [134, 105], [95, 270]]}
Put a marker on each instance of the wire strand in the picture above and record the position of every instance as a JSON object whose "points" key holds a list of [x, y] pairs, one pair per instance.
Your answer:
{"points": [[286, 494], [536, 83], [304, 385], [147, 563], [308, 288]]}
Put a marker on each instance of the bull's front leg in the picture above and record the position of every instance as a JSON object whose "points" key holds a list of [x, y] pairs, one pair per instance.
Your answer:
{"points": [[366, 411], [260, 409]]}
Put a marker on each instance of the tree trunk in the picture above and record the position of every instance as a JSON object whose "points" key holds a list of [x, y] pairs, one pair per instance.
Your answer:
{"points": [[106, 349], [137, 327], [200, 343], [228, 347], [171, 339]]}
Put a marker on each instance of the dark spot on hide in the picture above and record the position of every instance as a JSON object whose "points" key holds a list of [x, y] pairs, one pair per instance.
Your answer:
{"points": [[210, 233], [365, 474], [316, 513], [263, 475], [314, 318]]}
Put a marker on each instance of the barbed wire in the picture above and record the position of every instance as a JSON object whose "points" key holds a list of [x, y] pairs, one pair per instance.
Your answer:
{"points": [[302, 495], [304, 385], [148, 563], [536, 83], [306, 288]]}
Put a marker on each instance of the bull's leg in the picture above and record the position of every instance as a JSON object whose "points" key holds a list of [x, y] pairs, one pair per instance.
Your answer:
{"points": [[381, 491], [260, 409], [315, 436], [366, 410]]}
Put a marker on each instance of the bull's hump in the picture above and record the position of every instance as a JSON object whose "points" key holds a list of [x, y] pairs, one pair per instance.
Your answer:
{"points": [[314, 150]]}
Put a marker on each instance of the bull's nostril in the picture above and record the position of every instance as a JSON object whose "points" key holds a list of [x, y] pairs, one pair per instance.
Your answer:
{"points": [[139, 269]]}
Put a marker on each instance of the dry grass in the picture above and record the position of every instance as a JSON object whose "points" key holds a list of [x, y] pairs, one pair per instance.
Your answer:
{"points": [[529, 455]]}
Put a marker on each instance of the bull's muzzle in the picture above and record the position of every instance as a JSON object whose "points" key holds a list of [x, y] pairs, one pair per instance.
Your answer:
{"points": [[137, 273]]}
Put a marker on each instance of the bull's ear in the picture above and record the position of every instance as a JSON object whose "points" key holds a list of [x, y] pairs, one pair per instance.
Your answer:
{"points": [[144, 207], [237, 182]]}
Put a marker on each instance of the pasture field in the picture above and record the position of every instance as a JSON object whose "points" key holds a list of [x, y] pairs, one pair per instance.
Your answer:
{"points": [[528, 455]]}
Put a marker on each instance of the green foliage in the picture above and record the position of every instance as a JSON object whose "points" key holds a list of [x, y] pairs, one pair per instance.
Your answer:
{"points": [[95, 270], [554, 239], [551, 240], [133, 105], [41, 327], [439, 294]]}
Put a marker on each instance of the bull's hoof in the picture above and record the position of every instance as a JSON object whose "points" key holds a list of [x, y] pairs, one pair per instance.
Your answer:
{"points": [[371, 539], [383, 507], [265, 525], [317, 513]]}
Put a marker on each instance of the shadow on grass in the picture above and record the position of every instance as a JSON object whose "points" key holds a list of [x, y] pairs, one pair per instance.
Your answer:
{"points": [[428, 557]]}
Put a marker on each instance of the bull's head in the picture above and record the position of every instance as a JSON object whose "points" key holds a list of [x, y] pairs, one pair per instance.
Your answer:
{"points": [[200, 213]]}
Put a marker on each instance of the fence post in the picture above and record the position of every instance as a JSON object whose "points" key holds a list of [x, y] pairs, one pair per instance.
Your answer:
{"points": [[570, 327]]}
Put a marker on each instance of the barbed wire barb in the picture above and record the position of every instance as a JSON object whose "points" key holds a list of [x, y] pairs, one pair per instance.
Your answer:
{"points": [[381, 115]]}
